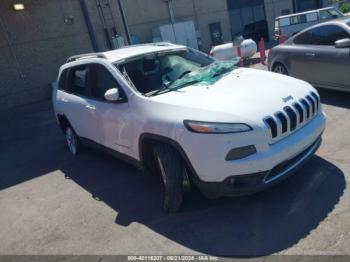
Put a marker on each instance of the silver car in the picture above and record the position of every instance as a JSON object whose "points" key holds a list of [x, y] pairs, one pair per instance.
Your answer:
{"points": [[319, 55]]}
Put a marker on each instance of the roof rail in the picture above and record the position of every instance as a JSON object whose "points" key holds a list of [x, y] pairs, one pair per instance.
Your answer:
{"points": [[148, 44], [89, 55]]}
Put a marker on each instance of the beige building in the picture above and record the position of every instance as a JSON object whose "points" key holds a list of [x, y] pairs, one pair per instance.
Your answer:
{"points": [[35, 41]]}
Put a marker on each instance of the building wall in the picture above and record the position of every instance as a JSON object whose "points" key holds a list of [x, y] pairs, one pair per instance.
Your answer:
{"points": [[33, 43], [273, 9], [143, 15], [36, 41]]}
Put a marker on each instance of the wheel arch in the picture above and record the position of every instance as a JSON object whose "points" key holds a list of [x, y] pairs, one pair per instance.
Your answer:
{"points": [[276, 62], [147, 140], [63, 122]]}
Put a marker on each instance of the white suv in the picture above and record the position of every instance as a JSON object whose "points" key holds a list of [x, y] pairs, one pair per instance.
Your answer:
{"points": [[197, 121]]}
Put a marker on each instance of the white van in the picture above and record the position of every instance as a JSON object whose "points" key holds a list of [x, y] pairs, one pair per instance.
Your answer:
{"points": [[289, 25]]}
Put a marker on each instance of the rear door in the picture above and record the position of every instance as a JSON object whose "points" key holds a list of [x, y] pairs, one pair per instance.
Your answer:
{"points": [[74, 98], [328, 65], [298, 65]]}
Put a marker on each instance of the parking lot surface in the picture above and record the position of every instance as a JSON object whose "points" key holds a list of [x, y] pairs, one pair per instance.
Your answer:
{"points": [[54, 203]]}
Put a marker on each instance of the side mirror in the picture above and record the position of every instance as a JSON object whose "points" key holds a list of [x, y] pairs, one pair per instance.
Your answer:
{"points": [[112, 95], [342, 43]]}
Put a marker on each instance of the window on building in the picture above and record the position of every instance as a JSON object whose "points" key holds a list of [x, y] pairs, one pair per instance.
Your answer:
{"points": [[248, 18], [285, 12]]}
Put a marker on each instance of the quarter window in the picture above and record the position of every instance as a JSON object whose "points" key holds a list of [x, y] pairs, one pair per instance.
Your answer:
{"points": [[77, 80], [62, 82], [303, 39]]}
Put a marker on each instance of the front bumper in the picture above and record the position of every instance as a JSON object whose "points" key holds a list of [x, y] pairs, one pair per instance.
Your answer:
{"points": [[253, 183]]}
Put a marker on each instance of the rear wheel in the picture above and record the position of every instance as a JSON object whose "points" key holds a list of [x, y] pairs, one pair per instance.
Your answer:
{"points": [[171, 168], [72, 141], [280, 69]]}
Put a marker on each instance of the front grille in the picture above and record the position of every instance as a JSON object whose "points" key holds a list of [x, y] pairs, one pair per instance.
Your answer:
{"points": [[293, 117]]}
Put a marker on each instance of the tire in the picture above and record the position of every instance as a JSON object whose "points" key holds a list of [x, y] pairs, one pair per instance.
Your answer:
{"points": [[280, 69], [72, 140], [170, 166]]}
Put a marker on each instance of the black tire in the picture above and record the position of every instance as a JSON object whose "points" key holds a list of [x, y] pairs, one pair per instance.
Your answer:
{"points": [[170, 166], [280, 69], [72, 140]]}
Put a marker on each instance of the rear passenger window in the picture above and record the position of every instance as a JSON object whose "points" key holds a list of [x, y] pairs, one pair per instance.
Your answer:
{"points": [[62, 82], [78, 80], [303, 39]]}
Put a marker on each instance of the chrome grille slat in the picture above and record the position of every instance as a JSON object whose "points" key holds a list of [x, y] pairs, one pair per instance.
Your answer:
{"points": [[312, 103], [283, 119], [317, 101], [307, 108], [300, 111], [291, 118]]}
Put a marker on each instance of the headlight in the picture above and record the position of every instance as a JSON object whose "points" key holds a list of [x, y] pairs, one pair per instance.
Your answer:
{"points": [[216, 128]]}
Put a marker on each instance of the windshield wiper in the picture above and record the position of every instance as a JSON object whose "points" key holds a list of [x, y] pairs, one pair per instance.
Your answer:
{"points": [[159, 91], [166, 88]]}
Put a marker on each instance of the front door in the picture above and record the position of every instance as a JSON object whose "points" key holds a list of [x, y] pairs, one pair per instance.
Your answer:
{"points": [[328, 65], [110, 121]]}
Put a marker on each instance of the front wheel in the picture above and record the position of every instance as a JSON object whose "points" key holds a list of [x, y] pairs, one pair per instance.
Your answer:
{"points": [[280, 69], [171, 167]]}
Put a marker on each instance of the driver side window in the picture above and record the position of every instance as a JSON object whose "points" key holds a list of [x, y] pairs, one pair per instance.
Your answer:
{"points": [[102, 81]]}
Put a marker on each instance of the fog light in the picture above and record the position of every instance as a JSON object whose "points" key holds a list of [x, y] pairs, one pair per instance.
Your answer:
{"points": [[240, 152]]}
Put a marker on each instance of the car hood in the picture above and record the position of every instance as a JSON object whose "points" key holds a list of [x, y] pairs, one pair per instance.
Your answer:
{"points": [[246, 93]]}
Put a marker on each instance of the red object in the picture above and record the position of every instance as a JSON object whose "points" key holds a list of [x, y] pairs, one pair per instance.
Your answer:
{"points": [[262, 50], [239, 53], [269, 54], [282, 39]]}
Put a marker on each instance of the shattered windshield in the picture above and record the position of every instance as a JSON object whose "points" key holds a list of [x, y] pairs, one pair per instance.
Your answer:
{"points": [[207, 75], [155, 73]]}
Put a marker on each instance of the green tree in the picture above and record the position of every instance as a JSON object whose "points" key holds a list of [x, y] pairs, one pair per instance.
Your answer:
{"points": [[343, 7]]}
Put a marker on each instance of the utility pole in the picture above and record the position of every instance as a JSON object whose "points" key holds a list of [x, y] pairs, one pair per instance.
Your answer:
{"points": [[125, 22]]}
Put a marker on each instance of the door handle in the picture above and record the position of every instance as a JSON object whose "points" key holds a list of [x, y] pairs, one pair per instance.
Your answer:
{"points": [[90, 107], [310, 54], [64, 100]]}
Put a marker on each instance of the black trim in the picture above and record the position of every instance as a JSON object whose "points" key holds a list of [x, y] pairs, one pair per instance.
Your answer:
{"points": [[92, 144], [253, 183], [166, 140], [61, 119]]}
